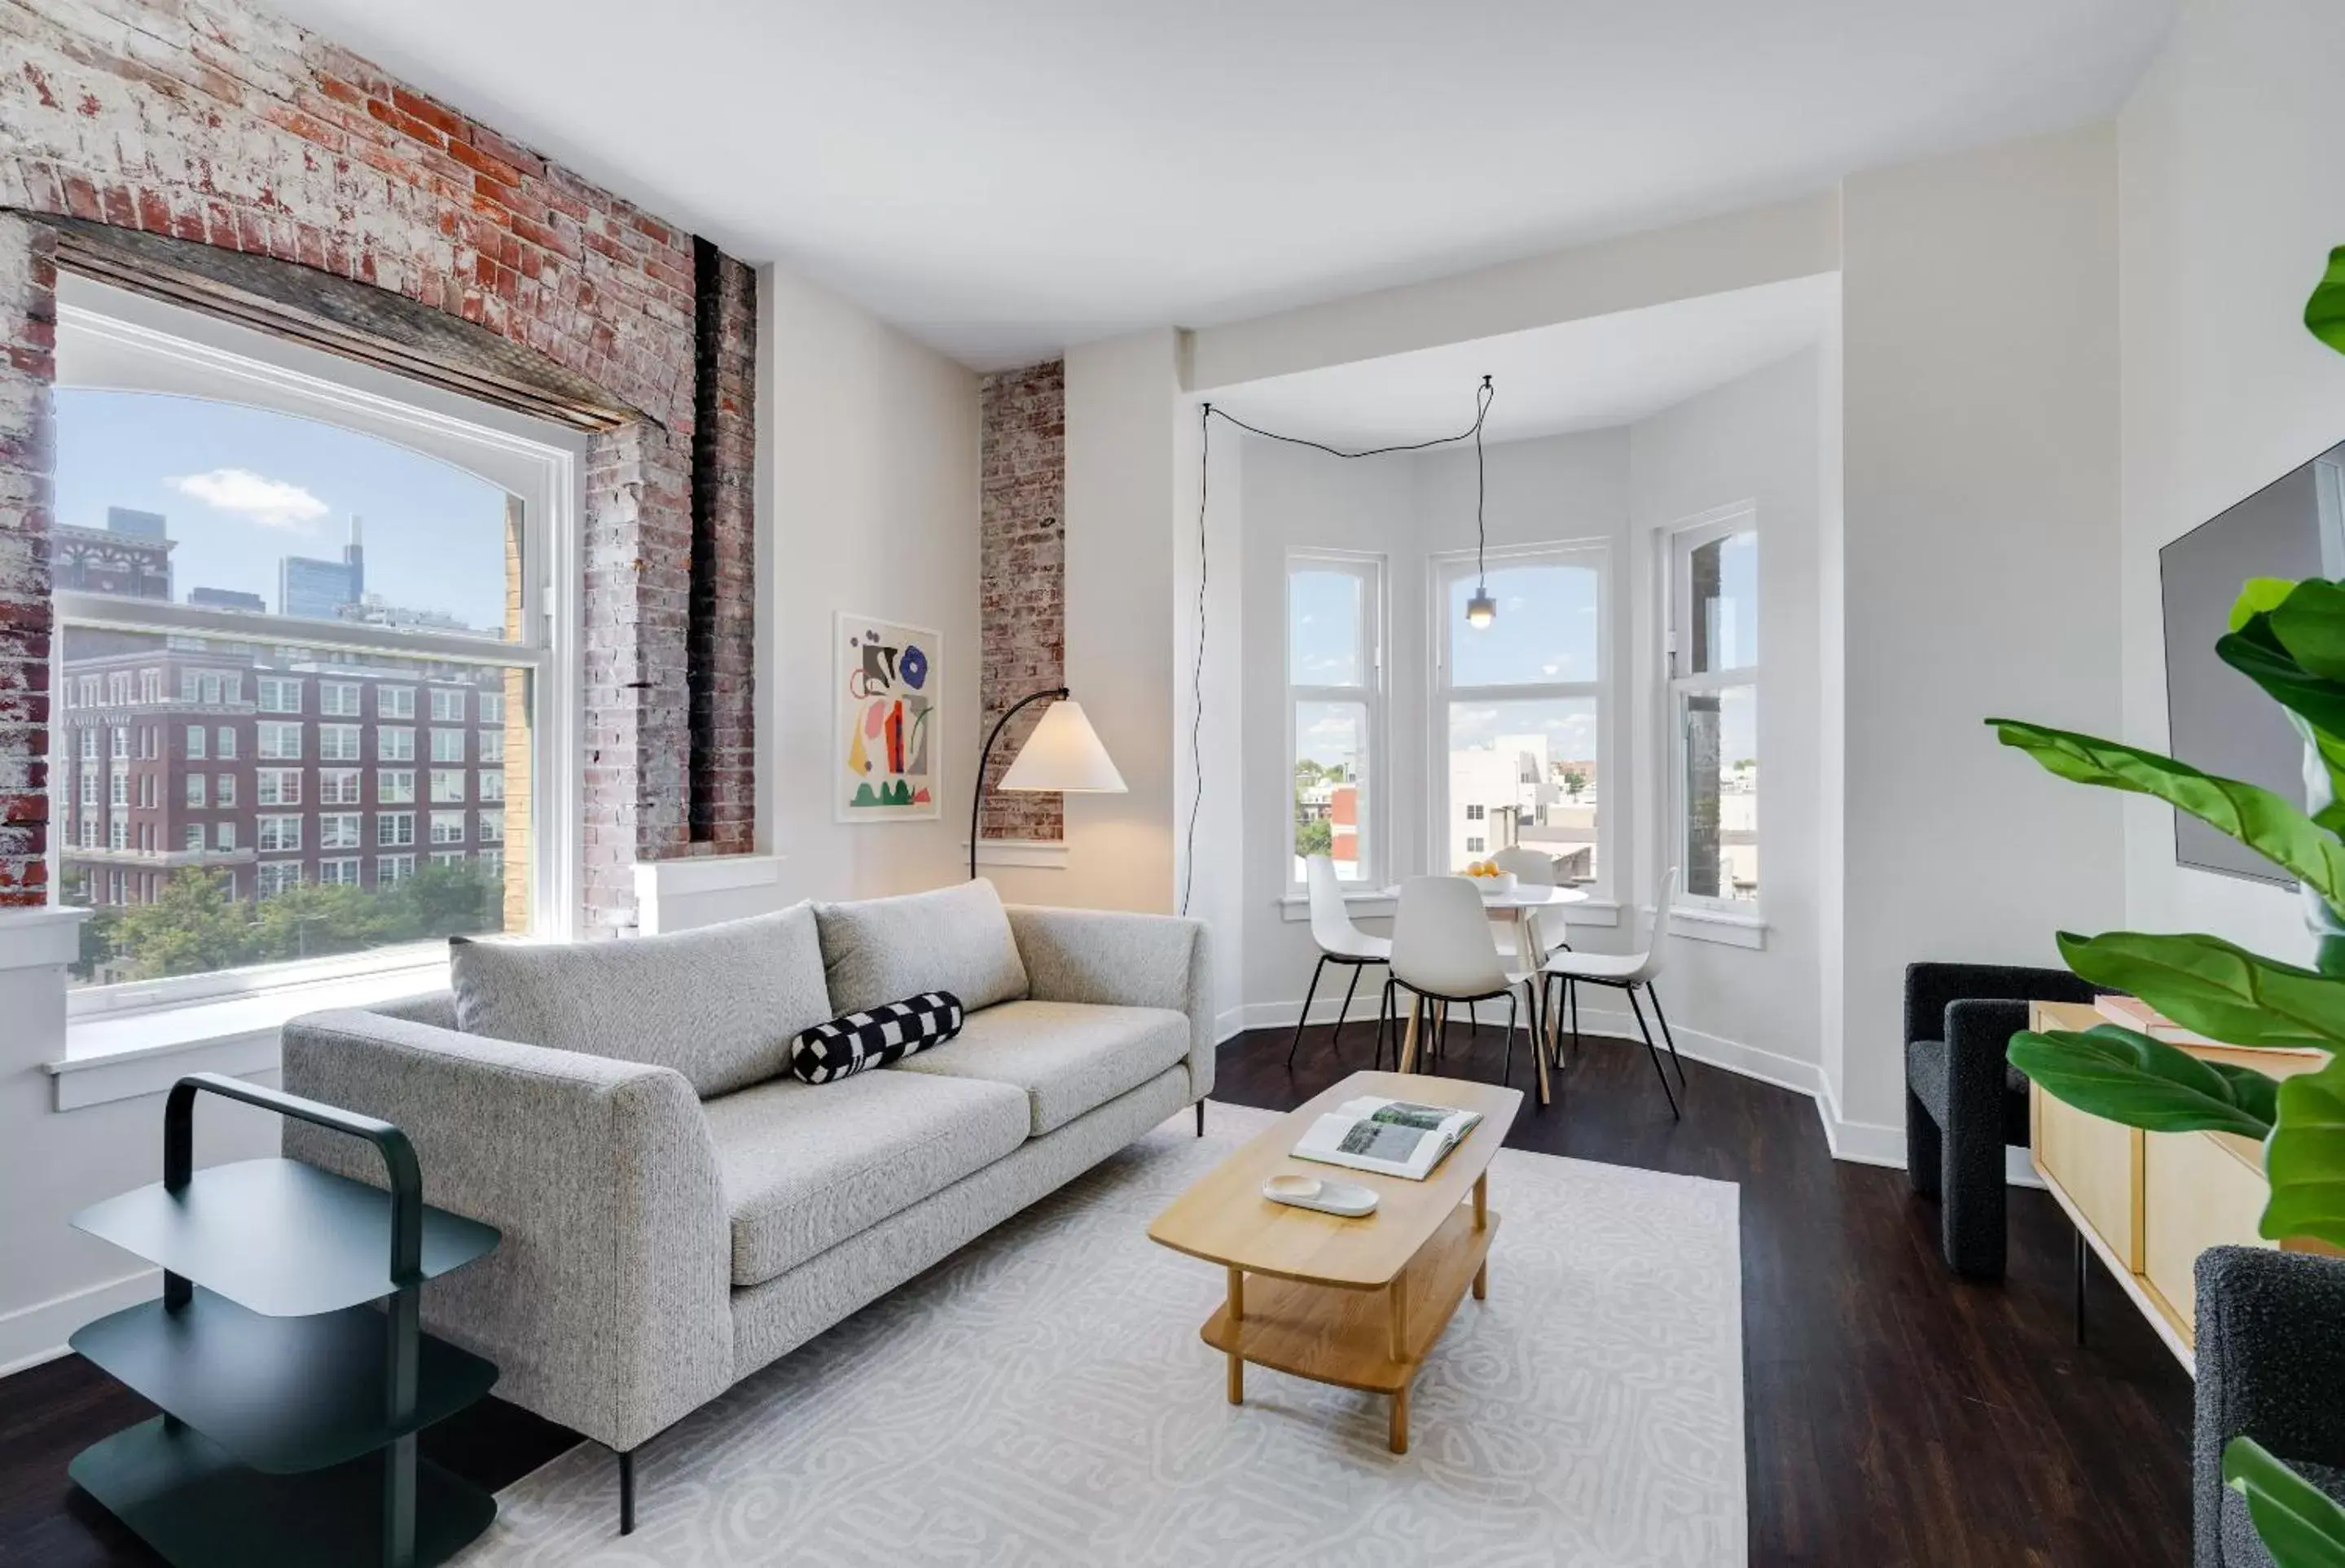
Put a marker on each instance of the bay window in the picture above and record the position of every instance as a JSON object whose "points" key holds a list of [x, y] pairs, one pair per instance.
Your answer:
{"points": [[1334, 708]]}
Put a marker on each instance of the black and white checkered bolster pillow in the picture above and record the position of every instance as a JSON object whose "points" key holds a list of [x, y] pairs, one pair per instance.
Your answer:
{"points": [[828, 1052]]}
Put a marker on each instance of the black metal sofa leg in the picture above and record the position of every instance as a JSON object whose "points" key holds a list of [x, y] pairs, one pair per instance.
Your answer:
{"points": [[627, 1492]]}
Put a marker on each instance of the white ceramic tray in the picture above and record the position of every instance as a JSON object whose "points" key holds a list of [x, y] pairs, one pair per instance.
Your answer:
{"points": [[1348, 1200]]}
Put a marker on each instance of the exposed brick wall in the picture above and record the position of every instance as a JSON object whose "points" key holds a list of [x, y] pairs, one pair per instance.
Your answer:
{"points": [[1023, 575], [215, 121], [725, 567], [28, 337]]}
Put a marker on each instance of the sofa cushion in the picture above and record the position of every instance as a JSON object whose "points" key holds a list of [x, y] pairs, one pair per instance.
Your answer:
{"points": [[804, 1166], [1069, 1057], [720, 1004], [955, 939]]}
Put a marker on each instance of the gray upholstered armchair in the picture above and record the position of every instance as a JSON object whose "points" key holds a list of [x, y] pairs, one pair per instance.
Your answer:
{"points": [[1963, 1102], [2271, 1366]]}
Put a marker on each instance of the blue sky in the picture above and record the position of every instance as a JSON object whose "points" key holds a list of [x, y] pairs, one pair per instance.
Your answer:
{"points": [[243, 487]]}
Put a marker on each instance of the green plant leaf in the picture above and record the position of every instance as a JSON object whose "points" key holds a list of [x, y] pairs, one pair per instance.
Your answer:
{"points": [[2310, 625], [2306, 1158], [2257, 595], [2222, 990], [2300, 1525], [2256, 817], [2324, 313], [2139, 1082]]}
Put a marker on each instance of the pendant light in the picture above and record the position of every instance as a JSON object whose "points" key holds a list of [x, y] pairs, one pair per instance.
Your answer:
{"points": [[1481, 609]]}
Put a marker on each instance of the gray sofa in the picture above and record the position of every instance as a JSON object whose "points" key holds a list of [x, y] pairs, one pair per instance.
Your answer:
{"points": [[675, 1221]]}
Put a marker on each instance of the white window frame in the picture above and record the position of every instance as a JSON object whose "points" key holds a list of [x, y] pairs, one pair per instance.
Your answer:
{"points": [[117, 340], [1676, 544], [333, 694], [1369, 570], [1450, 566]]}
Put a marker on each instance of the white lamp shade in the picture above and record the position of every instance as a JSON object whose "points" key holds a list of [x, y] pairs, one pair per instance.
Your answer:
{"points": [[1064, 753]]}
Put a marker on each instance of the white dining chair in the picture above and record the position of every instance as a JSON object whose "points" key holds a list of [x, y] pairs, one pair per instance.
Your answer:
{"points": [[1632, 972], [1443, 953], [1532, 869], [1340, 942]]}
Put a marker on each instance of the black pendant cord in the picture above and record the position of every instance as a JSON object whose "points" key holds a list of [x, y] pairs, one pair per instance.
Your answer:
{"points": [[1481, 535], [976, 799], [1483, 397]]}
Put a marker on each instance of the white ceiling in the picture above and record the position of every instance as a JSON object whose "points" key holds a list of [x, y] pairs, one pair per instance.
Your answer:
{"points": [[1005, 178], [1576, 375]]}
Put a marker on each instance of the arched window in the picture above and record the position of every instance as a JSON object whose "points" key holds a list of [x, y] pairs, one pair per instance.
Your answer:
{"points": [[319, 600]]}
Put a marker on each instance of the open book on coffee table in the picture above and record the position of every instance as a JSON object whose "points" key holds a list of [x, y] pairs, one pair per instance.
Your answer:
{"points": [[1393, 1138]]}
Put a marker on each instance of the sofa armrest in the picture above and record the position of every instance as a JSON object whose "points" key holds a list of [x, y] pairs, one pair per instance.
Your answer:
{"points": [[1932, 988], [1120, 958], [2271, 1366], [607, 1306]]}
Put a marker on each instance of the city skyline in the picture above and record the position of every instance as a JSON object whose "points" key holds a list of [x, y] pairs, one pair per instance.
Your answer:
{"points": [[243, 489]]}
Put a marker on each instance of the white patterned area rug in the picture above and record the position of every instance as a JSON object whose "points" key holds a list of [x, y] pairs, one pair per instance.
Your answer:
{"points": [[1042, 1398]]}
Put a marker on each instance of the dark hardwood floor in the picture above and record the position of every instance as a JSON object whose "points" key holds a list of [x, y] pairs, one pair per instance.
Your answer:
{"points": [[1894, 1414]]}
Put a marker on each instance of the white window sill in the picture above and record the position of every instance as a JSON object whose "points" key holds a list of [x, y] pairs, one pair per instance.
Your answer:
{"points": [[1722, 926], [1378, 903], [124, 1054], [1046, 854]]}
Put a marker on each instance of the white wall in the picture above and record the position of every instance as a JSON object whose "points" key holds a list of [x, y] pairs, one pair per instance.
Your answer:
{"points": [[1708, 256], [1125, 520], [1980, 553], [2229, 200], [867, 502], [1753, 441]]}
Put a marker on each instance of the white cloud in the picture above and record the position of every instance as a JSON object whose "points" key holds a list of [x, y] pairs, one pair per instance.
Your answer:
{"points": [[255, 498]]}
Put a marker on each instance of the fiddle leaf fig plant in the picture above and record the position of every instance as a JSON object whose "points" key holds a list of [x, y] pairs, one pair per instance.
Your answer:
{"points": [[2289, 637]]}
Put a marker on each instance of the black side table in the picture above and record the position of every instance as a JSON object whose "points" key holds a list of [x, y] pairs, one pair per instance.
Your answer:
{"points": [[291, 1400]]}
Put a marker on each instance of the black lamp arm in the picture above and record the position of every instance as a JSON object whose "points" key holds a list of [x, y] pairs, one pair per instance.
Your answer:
{"points": [[977, 800]]}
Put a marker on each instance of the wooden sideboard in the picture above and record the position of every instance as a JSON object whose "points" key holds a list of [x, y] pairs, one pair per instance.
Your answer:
{"points": [[2150, 1203]]}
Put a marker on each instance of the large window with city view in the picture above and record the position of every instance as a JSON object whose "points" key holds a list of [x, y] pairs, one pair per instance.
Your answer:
{"points": [[1335, 679], [1713, 658], [1518, 710], [272, 592]]}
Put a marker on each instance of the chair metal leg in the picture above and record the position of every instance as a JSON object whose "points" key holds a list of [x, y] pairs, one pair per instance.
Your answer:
{"points": [[1200, 1119], [1384, 1019], [1507, 1070], [1571, 998], [1654, 1051], [1653, 992], [1336, 1040], [1304, 1017], [1474, 1018], [627, 1492]]}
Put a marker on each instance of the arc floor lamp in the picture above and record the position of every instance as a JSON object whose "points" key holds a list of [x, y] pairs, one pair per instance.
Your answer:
{"points": [[1063, 754]]}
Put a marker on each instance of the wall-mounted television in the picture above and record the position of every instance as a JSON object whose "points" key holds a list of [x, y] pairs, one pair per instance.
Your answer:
{"points": [[2217, 719]]}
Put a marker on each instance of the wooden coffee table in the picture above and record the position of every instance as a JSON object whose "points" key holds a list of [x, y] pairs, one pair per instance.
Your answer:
{"points": [[1353, 1302]]}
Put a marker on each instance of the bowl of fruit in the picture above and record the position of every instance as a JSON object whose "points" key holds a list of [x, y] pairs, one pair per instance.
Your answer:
{"points": [[1494, 882]]}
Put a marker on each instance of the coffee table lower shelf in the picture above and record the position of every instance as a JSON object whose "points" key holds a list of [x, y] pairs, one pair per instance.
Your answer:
{"points": [[1370, 1339]]}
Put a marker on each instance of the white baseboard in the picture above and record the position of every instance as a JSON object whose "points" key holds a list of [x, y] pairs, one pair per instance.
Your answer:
{"points": [[1859, 1143], [31, 1335]]}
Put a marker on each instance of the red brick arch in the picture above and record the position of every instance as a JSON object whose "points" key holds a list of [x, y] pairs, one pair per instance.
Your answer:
{"points": [[216, 122]]}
